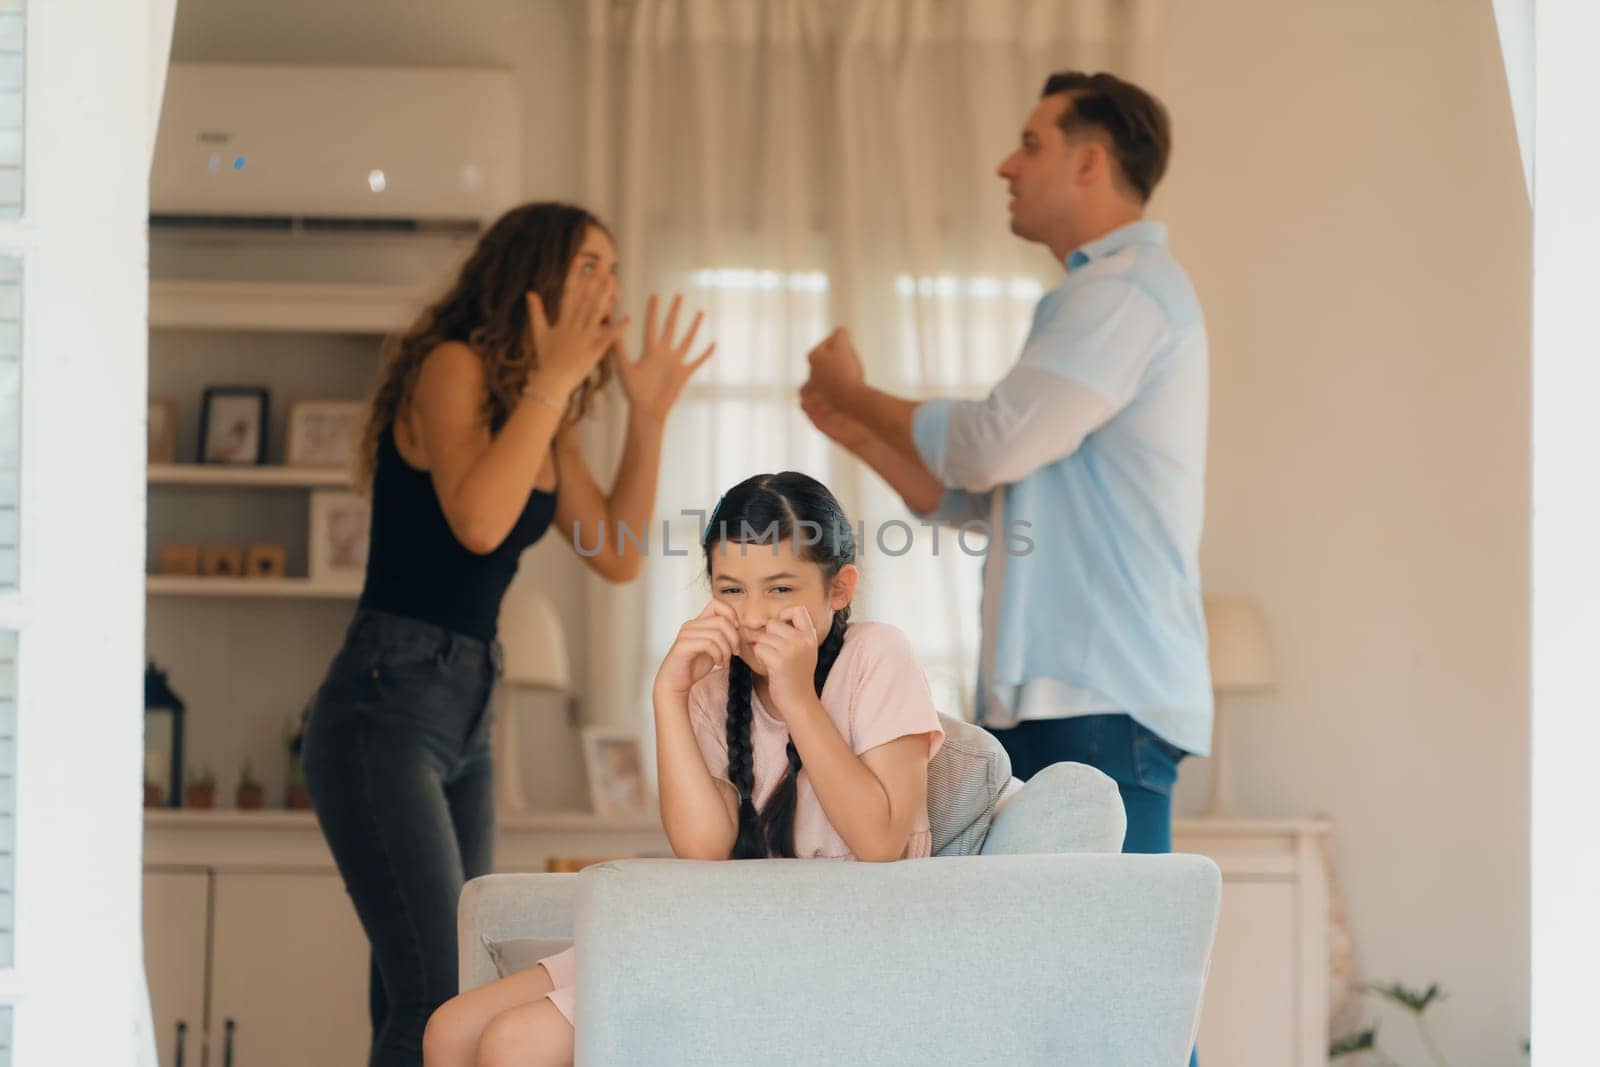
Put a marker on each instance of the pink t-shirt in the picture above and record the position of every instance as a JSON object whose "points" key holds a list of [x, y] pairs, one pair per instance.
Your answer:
{"points": [[875, 693]]}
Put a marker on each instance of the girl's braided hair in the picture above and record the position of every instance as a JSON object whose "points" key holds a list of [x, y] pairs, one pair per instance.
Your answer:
{"points": [[767, 509]]}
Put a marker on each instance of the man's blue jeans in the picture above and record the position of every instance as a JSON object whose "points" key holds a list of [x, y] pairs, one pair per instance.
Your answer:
{"points": [[1144, 767]]}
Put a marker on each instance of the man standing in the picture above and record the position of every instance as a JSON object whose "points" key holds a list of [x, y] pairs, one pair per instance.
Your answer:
{"points": [[1093, 445]]}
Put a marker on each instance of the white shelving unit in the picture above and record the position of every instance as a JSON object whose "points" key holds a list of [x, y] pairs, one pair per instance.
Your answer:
{"points": [[264, 477], [246, 653], [268, 307]]}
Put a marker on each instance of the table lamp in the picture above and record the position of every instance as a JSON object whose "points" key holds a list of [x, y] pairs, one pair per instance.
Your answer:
{"points": [[535, 647], [1241, 662]]}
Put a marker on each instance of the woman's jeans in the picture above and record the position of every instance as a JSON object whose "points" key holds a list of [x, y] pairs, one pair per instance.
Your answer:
{"points": [[396, 757], [1144, 767]]}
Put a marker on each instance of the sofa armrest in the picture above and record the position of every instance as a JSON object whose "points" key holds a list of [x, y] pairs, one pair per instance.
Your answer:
{"points": [[1067, 807], [521, 916]]}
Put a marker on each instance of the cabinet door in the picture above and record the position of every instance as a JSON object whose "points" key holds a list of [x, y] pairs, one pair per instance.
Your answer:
{"points": [[290, 971], [175, 903], [1250, 1000]]}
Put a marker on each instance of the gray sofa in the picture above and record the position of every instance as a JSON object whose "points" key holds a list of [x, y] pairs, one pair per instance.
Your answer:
{"points": [[1027, 939]]}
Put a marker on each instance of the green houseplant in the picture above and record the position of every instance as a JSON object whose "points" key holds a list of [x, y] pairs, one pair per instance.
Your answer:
{"points": [[249, 796], [1414, 1004], [200, 790]]}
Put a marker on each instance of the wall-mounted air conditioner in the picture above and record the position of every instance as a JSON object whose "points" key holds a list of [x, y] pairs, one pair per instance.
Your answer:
{"points": [[336, 147]]}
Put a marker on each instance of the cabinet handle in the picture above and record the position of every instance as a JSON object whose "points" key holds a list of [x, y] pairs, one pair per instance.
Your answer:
{"points": [[227, 1043], [177, 1052]]}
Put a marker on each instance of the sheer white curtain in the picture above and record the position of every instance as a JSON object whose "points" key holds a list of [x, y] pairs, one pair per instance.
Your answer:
{"points": [[792, 165]]}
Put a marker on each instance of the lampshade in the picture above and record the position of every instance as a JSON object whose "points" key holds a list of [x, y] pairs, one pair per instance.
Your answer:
{"points": [[534, 640], [1241, 653]]}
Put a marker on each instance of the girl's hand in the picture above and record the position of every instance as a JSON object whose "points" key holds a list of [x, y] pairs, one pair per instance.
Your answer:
{"points": [[788, 651], [705, 642], [653, 381], [571, 347]]}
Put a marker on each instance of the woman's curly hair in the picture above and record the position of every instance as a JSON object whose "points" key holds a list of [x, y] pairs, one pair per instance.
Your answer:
{"points": [[528, 249]]}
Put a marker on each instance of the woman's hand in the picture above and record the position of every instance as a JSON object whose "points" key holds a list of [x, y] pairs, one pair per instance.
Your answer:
{"points": [[705, 642], [788, 651], [571, 347], [653, 381]]}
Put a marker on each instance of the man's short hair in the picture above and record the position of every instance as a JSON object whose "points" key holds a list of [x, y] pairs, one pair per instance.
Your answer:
{"points": [[1136, 122]]}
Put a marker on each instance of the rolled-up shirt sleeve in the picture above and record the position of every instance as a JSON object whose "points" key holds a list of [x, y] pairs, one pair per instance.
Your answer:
{"points": [[1078, 370], [957, 507]]}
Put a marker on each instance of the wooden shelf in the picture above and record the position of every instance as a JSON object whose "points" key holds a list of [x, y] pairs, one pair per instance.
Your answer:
{"points": [[230, 818], [283, 306], [266, 477], [279, 588], [281, 819]]}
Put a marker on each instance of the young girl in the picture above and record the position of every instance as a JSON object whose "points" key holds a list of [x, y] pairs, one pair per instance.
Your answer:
{"points": [[782, 729]]}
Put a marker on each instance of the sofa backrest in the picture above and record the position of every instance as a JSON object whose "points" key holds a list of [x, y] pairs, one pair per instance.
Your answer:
{"points": [[1084, 959]]}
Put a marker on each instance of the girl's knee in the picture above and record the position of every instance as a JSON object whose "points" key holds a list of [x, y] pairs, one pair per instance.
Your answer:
{"points": [[533, 1035], [448, 1039]]}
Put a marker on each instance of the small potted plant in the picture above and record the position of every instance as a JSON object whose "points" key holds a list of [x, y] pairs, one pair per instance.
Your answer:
{"points": [[249, 796], [200, 791], [152, 794], [295, 795]]}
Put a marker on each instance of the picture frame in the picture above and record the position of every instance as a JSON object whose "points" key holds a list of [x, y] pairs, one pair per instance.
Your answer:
{"points": [[324, 433], [161, 429], [233, 425], [340, 523], [614, 763]]}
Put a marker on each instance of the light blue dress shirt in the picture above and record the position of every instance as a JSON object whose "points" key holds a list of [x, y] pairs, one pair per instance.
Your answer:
{"points": [[1087, 463]]}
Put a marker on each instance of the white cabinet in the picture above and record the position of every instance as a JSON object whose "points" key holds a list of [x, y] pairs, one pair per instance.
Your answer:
{"points": [[290, 971], [247, 922], [176, 921], [260, 968], [1266, 1000]]}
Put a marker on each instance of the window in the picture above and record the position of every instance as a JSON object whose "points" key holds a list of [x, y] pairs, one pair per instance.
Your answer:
{"points": [[8, 811], [12, 72], [10, 414]]}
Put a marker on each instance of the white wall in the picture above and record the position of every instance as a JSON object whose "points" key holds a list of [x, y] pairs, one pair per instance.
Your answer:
{"points": [[1347, 193], [73, 844]]}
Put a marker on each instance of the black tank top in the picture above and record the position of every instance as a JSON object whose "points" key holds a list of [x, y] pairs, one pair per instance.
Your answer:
{"points": [[415, 565]]}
